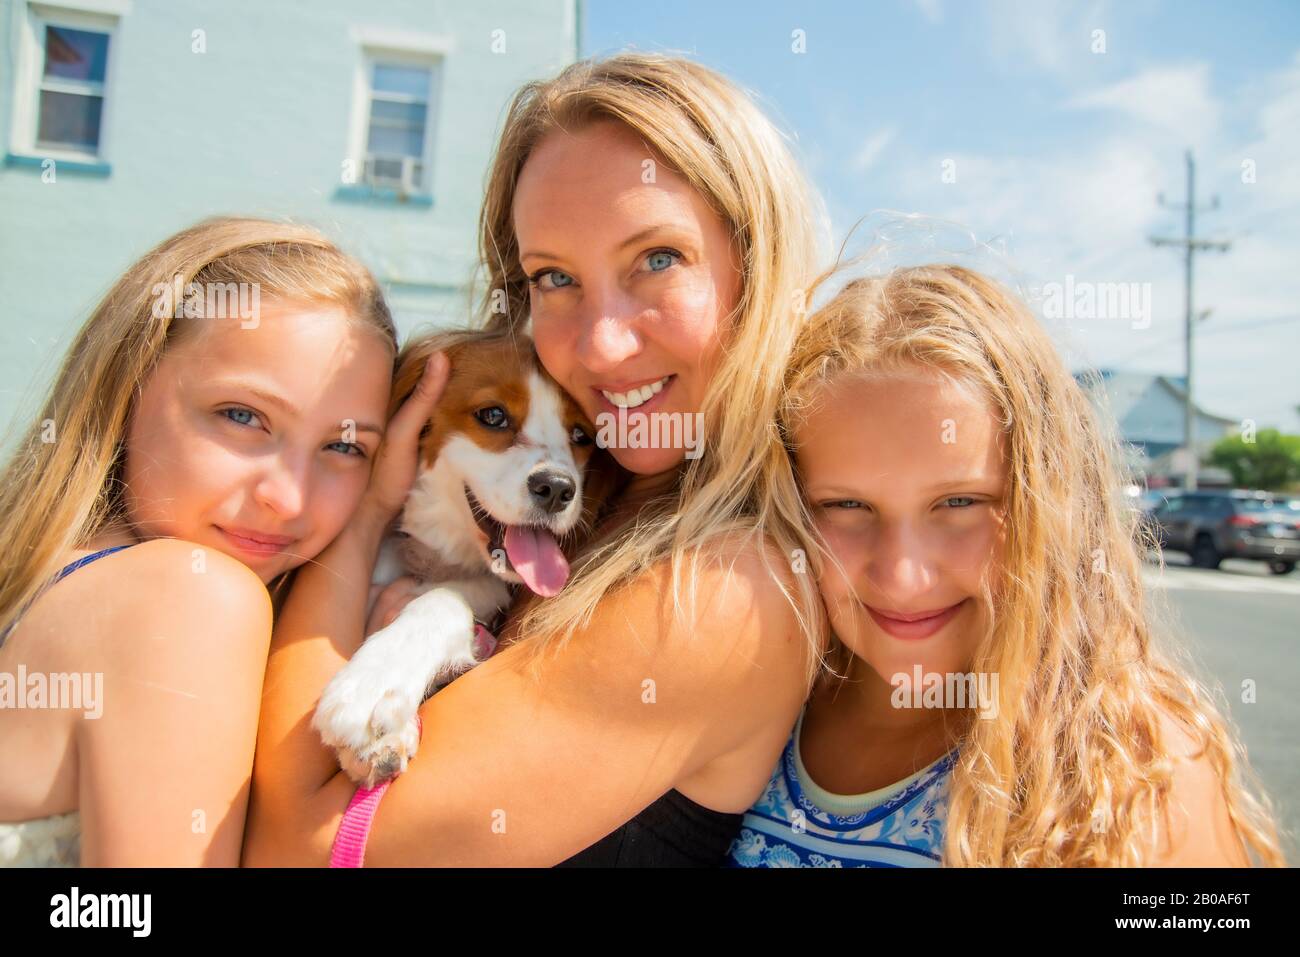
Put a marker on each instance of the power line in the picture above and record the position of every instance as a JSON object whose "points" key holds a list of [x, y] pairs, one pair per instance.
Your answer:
{"points": [[1212, 331]]}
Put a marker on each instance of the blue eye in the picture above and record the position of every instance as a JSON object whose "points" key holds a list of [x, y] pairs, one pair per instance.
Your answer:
{"points": [[960, 498], [239, 411], [846, 503], [661, 259], [347, 446], [559, 280]]}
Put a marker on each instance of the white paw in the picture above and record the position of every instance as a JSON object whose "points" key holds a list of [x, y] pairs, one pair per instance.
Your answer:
{"points": [[370, 720], [367, 713]]}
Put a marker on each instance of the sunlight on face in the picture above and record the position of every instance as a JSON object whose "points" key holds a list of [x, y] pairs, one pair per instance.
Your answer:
{"points": [[905, 477], [630, 281], [241, 435]]}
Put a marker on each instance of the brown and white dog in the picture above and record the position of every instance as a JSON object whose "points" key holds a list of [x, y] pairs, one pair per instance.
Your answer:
{"points": [[509, 469]]}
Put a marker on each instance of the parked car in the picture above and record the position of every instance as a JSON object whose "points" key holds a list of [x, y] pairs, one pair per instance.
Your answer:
{"points": [[1213, 525]]}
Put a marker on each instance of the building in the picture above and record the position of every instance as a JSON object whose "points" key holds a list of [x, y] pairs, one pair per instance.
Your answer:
{"points": [[123, 121], [1149, 411]]}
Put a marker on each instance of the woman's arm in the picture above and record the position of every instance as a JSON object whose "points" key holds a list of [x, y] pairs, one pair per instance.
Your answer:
{"points": [[164, 771], [522, 772], [512, 770], [319, 628]]}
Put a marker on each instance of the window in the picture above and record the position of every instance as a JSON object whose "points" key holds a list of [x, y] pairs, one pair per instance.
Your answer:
{"points": [[71, 92], [393, 127], [63, 79], [398, 135]]}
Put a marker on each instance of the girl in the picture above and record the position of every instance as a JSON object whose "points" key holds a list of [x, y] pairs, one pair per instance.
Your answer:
{"points": [[210, 430], [653, 227], [1002, 701]]}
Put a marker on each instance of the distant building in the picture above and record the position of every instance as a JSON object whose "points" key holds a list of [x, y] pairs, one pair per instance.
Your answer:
{"points": [[1149, 411], [122, 121]]}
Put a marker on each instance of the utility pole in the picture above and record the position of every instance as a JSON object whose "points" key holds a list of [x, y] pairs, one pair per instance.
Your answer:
{"points": [[1190, 244]]}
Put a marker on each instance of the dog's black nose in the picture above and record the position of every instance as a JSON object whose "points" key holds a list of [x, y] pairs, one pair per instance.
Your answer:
{"points": [[551, 490]]}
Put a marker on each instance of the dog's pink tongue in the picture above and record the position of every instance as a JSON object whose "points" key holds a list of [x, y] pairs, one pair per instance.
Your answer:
{"points": [[537, 559]]}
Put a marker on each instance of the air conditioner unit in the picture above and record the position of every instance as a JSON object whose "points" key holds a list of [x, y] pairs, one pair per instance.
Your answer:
{"points": [[402, 173]]}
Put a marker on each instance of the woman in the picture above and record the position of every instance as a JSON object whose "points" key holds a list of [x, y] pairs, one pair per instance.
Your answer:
{"points": [[651, 224], [192, 451]]}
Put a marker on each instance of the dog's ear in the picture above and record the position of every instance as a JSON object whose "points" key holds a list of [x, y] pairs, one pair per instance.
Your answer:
{"points": [[410, 366]]}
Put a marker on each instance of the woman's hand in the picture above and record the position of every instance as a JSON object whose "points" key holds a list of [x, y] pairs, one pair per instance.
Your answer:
{"points": [[396, 461], [391, 601]]}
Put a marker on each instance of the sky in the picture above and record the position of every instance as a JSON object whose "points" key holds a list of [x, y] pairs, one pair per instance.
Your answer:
{"points": [[1033, 139]]}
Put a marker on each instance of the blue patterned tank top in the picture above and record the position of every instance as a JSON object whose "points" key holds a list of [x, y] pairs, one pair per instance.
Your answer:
{"points": [[795, 823]]}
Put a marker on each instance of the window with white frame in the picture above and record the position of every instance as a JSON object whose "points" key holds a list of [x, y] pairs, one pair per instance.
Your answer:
{"points": [[72, 89], [61, 83], [400, 95]]}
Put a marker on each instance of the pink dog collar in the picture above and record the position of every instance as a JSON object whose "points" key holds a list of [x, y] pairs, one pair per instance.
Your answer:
{"points": [[349, 848]]}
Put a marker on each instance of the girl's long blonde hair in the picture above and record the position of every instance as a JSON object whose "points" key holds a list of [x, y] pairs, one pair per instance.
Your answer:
{"points": [[62, 487], [712, 134], [1073, 770]]}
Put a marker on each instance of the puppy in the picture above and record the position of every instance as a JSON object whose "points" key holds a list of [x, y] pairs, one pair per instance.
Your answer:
{"points": [[509, 469]]}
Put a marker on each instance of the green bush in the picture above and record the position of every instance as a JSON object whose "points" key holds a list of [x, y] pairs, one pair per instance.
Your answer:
{"points": [[1271, 462]]}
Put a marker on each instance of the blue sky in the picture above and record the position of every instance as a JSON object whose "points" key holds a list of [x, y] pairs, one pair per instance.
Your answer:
{"points": [[1058, 151]]}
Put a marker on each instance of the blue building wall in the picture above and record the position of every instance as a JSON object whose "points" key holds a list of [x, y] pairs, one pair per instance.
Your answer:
{"points": [[258, 123]]}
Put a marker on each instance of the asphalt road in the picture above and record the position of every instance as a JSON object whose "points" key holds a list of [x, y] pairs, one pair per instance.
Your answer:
{"points": [[1241, 624]]}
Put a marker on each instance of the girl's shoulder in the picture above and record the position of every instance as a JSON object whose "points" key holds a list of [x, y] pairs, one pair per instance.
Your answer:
{"points": [[158, 567], [159, 586], [1195, 828]]}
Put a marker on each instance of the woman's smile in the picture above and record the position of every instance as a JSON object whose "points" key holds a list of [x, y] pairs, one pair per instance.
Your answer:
{"points": [[646, 396], [915, 625]]}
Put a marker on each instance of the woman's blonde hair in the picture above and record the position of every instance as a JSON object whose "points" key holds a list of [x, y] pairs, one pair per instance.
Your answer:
{"points": [[1073, 770], [711, 133], [62, 486]]}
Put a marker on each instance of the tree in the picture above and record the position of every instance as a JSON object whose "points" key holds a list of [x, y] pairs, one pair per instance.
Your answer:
{"points": [[1272, 461]]}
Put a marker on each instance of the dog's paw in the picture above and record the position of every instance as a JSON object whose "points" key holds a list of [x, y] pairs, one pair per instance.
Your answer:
{"points": [[373, 728], [386, 756]]}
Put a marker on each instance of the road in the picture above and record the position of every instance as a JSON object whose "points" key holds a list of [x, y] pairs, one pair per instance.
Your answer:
{"points": [[1241, 624]]}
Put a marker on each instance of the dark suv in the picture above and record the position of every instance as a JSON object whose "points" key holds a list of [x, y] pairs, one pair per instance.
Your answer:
{"points": [[1212, 526]]}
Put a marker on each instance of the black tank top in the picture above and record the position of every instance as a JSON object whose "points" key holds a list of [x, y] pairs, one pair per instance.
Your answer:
{"points": [[674, 831]]}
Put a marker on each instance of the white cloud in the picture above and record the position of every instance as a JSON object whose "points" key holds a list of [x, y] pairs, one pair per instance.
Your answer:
{"points": [[871, 149], [1088, 208], [1055, 38], [1174, 99], [1274, 146]]}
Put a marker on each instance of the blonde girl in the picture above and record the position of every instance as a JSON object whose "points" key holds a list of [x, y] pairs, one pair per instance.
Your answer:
{"points": [[997, 696], [211, 429], [648, 224]]}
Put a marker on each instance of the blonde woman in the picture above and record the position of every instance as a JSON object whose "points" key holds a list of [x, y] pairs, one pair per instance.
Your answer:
{"points": [[211, 428], [998, 697], [654, 227]]}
